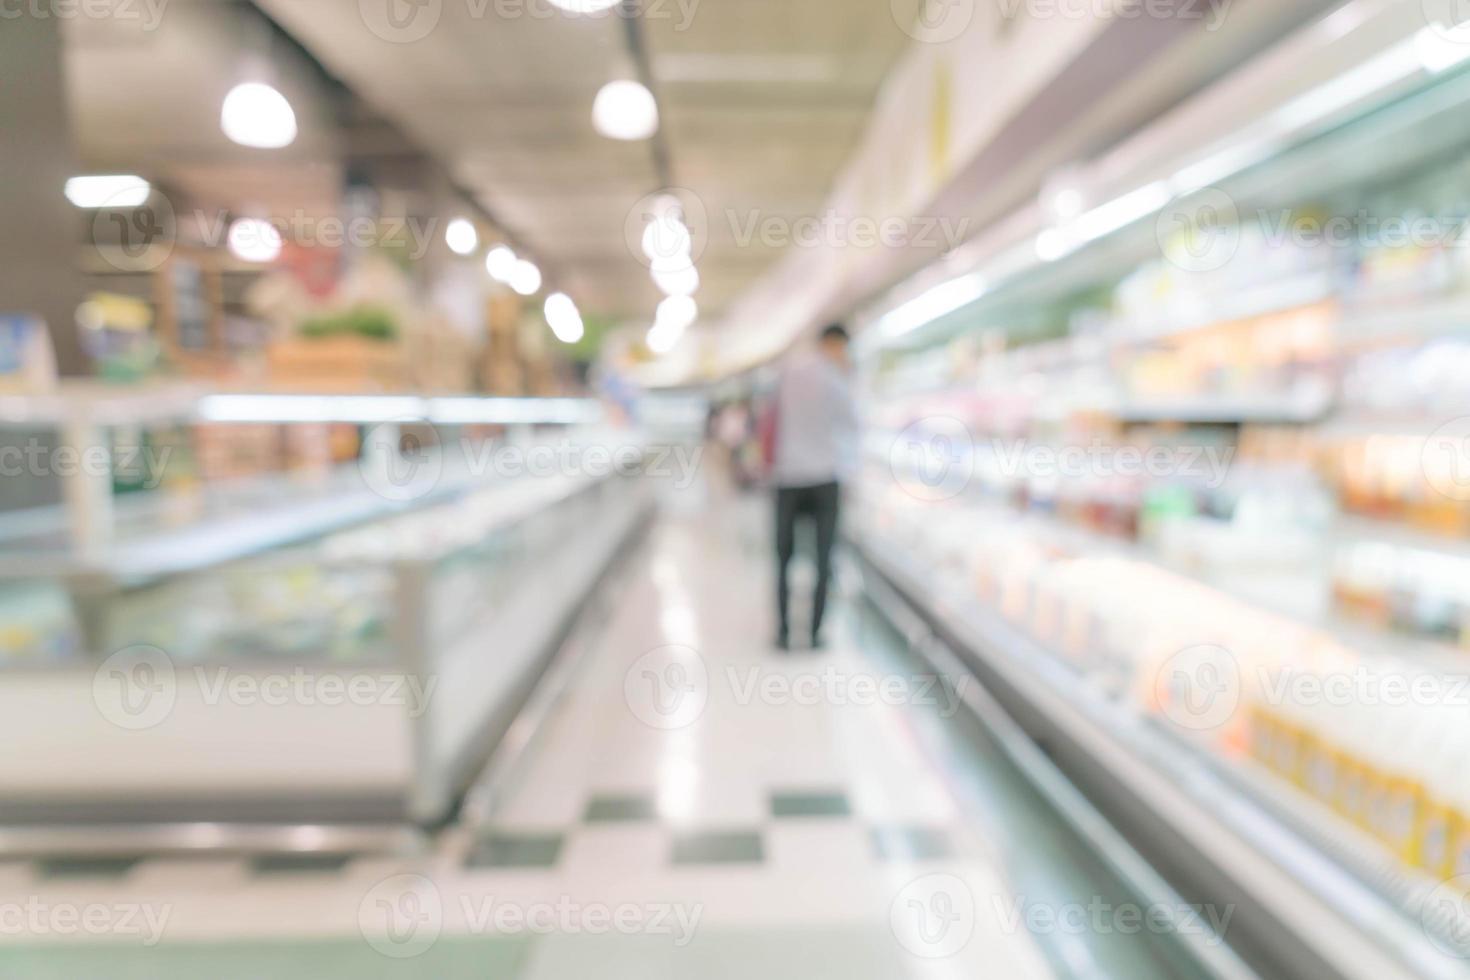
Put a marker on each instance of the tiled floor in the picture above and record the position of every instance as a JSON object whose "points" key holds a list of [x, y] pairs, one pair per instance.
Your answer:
{"points": [[698, 806]]}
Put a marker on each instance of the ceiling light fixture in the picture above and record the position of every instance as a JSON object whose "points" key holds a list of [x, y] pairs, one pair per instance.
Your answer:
{"points": [[677, 313], [1441, 48], [676, 280], [461, 236], [254, 240], [108, 191], [584, 6], [667, 236], [256, 115], [663, 337], [625, 110], [941, 300], [563, 318], [525, 278], [500, 262]]}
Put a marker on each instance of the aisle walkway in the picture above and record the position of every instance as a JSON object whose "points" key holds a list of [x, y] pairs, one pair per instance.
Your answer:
{"points": [[694, 766], [697, 806]]}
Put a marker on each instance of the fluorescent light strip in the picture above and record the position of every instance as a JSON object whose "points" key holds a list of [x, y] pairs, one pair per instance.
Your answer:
{"points": [[1121, 212], [369, 409], [1431, 49], [1388, 68], [514, 411], [309, 408], [1441, 48], [108, 191], [933, 304]]}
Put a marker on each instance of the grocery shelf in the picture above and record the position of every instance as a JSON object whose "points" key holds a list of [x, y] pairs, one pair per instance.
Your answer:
{"points": [[239, 775], [1277, 595], [1196, 313], [1367, 530], [1294, 409], [1367, 324], [107, 404], [233, 520], [1300, 912]]}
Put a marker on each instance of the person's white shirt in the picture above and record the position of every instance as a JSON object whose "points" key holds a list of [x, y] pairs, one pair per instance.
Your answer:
{"points": [[816, 424]]}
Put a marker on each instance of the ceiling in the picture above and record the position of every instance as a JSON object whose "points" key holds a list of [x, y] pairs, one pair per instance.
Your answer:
{"points": [[762, 102], [145, 98]]}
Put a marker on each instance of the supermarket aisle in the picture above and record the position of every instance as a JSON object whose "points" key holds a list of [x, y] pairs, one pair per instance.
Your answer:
{"points": [[818, 829], [697, 806], [692, 767]]}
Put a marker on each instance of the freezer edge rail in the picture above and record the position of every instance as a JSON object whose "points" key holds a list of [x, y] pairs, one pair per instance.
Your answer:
{"points": [[1283, 916]]}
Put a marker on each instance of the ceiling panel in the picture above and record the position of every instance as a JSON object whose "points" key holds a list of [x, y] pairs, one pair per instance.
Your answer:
{"points": [[763, 101]]}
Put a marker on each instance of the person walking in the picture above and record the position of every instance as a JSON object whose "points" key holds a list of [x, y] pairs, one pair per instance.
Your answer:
{"points": [[811, 447]]}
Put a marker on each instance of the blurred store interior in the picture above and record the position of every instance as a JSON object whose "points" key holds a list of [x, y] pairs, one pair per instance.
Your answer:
{"points": [[392, 405]]}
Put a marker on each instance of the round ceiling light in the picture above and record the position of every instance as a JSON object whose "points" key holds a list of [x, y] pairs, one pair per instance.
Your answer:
{"points": [[625, 110], [563, 318], [676, 280], [525, 278], [500, 262], [677, 313], [255, 114], [461, 236], [254, 240], [666, 237], [661, 339]]}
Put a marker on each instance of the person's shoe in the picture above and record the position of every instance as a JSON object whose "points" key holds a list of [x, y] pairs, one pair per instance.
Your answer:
{"points": [[819, 642], [783, 642]]}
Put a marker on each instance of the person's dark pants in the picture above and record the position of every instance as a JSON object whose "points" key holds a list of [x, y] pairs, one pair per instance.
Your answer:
{"points": [[820, 503]]}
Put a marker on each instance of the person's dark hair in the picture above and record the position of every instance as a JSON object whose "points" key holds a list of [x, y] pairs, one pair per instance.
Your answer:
{"points": [[836, 331]]}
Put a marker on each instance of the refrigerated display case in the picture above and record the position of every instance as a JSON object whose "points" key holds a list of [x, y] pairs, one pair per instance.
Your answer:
{"points": [[1190, 513], [296, 648]]}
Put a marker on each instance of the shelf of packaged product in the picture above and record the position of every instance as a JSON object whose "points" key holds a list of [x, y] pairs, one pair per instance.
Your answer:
{"points": [[1366, 530], [397, 754], [1290, 408], [1295, 595], [225, 522], [83, 412], [1205, 311], [1302, 910], [1371, 323]]}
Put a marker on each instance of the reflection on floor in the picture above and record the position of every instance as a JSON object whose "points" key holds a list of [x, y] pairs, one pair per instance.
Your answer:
{"points": [[699, 806]]}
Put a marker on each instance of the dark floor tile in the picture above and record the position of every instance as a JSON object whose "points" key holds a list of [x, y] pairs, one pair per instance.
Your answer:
{"points": [[86, 867], [725, 847], [275, 864], [517, 851], [912, 843], [617, 809], [810, 805]]}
